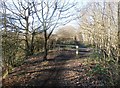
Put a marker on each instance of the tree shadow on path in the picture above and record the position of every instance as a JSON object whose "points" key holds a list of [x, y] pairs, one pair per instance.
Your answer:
{"points": [[58, 72]]}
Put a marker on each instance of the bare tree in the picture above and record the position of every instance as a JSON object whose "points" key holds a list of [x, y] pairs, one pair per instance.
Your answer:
{"points": [[99, 26], [23, 20], [118, 46], [119, 32], [51, 14]]}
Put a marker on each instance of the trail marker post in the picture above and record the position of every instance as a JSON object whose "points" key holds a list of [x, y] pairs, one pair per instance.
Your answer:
{"points": [[77, 50]]}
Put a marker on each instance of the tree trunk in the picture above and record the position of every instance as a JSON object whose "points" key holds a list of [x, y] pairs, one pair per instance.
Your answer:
{"points": [[118, 47], [26, 37], [32, 46], [45, 51], [45, 46], [26, 47], [118, 33]]}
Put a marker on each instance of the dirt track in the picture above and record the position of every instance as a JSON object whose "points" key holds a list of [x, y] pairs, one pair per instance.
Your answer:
{"points": [[65, 69]]}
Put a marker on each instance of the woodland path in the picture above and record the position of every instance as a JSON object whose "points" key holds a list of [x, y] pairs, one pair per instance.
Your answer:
{"points": [[64, 69]]}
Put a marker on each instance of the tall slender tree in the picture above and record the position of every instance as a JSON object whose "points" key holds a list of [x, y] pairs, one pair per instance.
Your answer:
{"points": [[23, 14], [51, 14], [119, 32]]}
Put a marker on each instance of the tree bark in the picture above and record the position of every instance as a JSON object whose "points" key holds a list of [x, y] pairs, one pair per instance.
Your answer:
{"points": [[118, 47], [32, 44], [45, 46], [118, 33]]}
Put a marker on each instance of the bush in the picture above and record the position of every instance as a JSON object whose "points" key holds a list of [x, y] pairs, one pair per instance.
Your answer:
{"points": [[104, 71], [96, 54]]}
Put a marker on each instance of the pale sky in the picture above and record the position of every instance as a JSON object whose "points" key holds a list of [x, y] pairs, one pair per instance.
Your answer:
{"points": [[80, 4]]}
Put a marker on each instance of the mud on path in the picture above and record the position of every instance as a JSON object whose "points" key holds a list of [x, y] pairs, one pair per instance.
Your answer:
{"points": [[62, 69]]}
